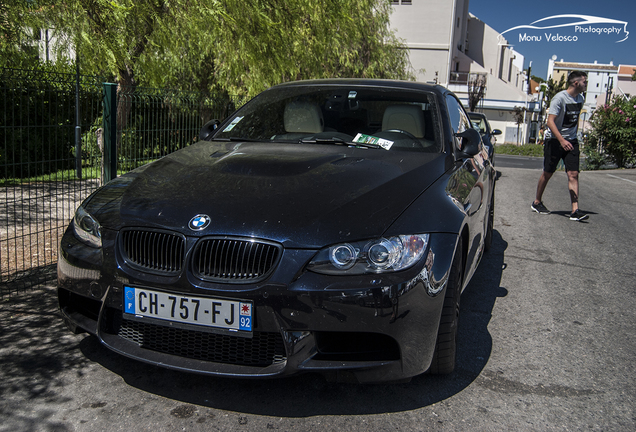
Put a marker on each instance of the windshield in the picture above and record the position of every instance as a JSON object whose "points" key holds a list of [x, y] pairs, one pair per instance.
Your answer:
{"points": [[480, 124], [376, 117]]}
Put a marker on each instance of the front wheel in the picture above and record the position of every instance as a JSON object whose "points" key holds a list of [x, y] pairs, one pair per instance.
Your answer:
{"points": [[446, 344]]}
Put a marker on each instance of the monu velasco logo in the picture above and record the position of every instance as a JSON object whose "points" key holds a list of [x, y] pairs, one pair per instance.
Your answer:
{"points": [[568, 28]]}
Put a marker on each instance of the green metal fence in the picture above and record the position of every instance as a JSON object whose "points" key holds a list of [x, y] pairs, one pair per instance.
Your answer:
{"points": [[56, 132]]}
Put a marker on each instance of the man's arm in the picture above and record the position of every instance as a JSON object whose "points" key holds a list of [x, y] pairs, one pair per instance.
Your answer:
{"points": [[567, 145]]}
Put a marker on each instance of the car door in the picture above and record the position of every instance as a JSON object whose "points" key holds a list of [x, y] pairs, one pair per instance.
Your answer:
{"points": [[470, 184]]}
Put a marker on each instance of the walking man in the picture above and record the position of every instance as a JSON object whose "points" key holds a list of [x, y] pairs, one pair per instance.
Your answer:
{"points": [[561, 143]]}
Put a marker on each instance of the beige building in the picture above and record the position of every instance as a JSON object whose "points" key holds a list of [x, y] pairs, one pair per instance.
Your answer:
{"points": [[449, 46], [435, 34], [625, 85]]}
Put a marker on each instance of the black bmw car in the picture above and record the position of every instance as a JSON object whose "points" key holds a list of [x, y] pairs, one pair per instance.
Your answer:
{"points": [[326, 226]]}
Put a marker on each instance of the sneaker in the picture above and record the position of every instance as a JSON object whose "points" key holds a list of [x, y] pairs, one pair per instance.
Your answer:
{"points": [[539, 208], [578, 216]]}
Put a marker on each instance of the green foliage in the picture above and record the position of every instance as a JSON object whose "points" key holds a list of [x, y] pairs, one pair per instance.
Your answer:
{"points": [[614, 127], [553, 88], [594, 159], [15, 34], [262, 44], [225, 45], [38, 124], [535, 150]]}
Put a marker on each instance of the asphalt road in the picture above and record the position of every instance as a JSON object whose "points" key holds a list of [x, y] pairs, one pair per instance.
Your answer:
{"points": [[509, 161], [547, 343]]}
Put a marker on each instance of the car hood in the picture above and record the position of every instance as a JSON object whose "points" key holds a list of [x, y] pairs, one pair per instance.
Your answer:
{"points": [[303, 196]]}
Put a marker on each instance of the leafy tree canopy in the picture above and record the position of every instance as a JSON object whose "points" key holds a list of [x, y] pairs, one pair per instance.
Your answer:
{"points": [[240, 47]]}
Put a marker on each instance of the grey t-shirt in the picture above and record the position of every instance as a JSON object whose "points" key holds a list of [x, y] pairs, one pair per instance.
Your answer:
{"points": [[567, 110]]}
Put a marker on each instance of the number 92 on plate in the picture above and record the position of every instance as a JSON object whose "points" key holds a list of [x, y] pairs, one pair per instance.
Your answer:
{"points": [[204, 311]]}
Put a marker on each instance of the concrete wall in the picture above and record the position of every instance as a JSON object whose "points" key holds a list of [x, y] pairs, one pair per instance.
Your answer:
{"points": [[443, 38], [491, 52], [434, 31]]}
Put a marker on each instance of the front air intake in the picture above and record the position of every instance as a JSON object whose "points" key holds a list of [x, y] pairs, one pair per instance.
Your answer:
{"points": [[234, 260], [154, 251]]}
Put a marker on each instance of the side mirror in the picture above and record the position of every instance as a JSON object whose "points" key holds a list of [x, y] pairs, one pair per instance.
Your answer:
{"points": [[471, 140], [496, 132], [208, 129]]}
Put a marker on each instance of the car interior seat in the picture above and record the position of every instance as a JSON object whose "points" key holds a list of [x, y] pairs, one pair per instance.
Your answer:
{"points": [[409, 118]]}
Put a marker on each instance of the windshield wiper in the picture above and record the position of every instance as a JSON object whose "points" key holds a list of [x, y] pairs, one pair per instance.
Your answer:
{"points": [[234, 138], [239, 139], [337, 141]]}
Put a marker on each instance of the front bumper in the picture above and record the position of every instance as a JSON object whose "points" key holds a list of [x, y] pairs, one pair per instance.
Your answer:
{"points": [[369, 328]]}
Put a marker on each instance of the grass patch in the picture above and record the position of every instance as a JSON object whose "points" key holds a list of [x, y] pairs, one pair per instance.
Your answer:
{"points": [[535, 150], [88, 173], [61, 175]]}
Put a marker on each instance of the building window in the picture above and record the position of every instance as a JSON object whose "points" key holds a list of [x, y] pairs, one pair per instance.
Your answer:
{"points": [[406, 2], [596, 84]]}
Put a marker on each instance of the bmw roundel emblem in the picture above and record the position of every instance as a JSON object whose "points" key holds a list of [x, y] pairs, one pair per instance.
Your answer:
{"points": [[199, 222]]}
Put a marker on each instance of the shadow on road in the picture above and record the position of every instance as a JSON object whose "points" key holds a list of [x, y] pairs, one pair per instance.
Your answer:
{"points": [[36, 351], [309, 395]]}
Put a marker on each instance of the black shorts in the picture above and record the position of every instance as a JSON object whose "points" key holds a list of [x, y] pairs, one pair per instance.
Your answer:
{"points": [[553, 153]]}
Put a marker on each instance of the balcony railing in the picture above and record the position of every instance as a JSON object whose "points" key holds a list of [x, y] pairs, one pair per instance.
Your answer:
{"points": [[463, 78]]}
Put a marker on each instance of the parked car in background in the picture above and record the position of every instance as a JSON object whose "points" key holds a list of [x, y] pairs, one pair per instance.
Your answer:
{"points": [[489, 135], [326, 226]]}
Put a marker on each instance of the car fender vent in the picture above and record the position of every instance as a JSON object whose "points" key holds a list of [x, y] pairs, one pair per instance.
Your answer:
{"points": [[234, 260], [154, 251]]}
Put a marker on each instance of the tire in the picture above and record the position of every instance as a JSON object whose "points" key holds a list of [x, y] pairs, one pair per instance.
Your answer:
{"points": [[446, 344], [491, 223]]}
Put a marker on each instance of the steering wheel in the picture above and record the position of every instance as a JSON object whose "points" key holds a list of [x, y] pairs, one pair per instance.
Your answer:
{"points": [[408, 134]]}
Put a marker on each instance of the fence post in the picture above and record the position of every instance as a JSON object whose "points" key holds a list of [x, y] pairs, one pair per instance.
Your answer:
{"points": [[109, 157], [78, 129]]}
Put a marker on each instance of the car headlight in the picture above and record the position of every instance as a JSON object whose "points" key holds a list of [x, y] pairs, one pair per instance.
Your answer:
{"points": [[372, 256], [87, 229]]}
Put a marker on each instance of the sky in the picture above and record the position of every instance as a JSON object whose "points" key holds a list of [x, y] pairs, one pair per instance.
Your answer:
{"points": [[609, 32]]}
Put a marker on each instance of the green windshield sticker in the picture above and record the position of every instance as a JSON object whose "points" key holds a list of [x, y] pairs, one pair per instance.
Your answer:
{"points": [[368, 139]]}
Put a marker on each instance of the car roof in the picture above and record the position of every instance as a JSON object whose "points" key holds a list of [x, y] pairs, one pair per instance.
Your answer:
{"points": [[368, 82]]}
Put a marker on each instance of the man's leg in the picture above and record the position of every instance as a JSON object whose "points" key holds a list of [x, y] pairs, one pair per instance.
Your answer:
{"points": [[543, 182], [573, 186]]}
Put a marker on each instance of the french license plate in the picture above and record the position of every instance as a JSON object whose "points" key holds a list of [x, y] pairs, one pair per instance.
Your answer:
{"points": [[210, 312]]}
